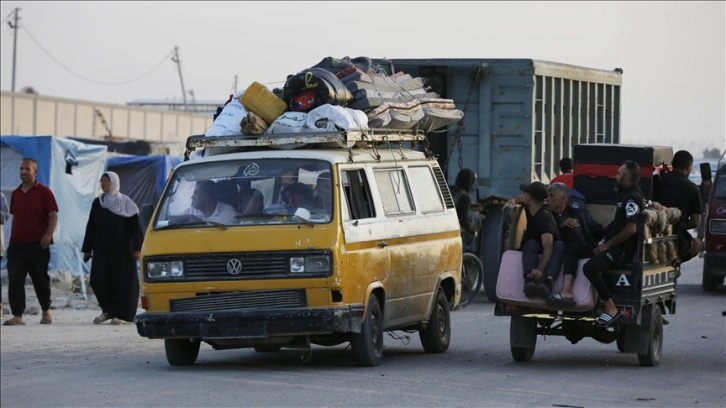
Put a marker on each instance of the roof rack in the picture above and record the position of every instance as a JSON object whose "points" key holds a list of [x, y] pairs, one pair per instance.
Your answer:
{"points": [[344, 139]]}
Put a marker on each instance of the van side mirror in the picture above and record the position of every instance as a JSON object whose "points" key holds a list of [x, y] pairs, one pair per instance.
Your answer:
{"points": [[706, 171], [147, 210]]}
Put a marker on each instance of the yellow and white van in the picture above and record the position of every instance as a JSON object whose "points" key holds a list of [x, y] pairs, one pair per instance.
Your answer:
{"points": [[340, 240]]}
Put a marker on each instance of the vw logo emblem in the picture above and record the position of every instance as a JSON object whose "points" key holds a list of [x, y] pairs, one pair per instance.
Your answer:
{"points": [[234, 266]]}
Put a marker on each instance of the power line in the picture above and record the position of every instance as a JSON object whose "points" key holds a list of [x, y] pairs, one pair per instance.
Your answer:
{"points": [[7, 18], [88, 79]]}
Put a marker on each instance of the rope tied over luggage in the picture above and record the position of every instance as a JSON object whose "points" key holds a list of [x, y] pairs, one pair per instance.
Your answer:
{"points": [[308, 81]]}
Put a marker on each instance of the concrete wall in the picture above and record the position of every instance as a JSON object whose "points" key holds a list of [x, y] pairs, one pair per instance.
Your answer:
{"points": [[32, 115]]}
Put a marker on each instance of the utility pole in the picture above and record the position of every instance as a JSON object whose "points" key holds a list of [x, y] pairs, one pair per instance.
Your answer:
{"points": [[235, 83], [176, 59], [14, 26]]}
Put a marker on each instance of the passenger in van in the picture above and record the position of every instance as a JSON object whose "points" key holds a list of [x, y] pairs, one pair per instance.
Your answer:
{"points": [[287, 178], [676, 190], [323, 192], [251, 201], [542, 249], [207, 207], [296, 195], [620, 240], [580, 234]]}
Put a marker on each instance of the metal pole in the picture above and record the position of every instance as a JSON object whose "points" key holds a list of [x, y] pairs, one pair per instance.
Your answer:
{"points": [[176, 59], [14, 26]]}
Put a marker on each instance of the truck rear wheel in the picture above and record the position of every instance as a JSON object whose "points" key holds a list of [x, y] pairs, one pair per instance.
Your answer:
{"points": [[522, 337], [655, 338], [180, 352], [492, 247]]}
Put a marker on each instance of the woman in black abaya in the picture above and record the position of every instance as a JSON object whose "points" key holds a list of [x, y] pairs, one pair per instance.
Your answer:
{"points": [[113, 240]]}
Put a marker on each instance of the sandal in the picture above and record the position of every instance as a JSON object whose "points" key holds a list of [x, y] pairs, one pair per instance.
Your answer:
{"points": [[14, 321], [605, 320], [559, 301], [101, 318], [544, 288]]}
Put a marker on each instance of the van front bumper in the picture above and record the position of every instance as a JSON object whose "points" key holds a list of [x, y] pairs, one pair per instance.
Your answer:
{"points": [[250, 324]]}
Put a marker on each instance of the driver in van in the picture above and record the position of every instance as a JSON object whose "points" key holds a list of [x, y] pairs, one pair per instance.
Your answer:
{"points": [[206, 207]]}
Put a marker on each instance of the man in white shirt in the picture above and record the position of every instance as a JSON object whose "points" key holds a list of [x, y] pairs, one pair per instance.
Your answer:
{"points": [[206, 207]]}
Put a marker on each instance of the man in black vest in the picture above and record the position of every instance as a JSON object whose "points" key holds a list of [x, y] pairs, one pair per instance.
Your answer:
{"points": [[620, 241]]}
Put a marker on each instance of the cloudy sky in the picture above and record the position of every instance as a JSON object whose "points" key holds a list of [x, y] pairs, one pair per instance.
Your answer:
{"points": [[673, 53]]}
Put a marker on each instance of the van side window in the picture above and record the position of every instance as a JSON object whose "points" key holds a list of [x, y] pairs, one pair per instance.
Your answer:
{"points": [[394, 189], [425, 189], [357, 194]]}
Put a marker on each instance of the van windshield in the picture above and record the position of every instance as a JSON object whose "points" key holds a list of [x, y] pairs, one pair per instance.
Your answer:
{"points": [[247, 192]]}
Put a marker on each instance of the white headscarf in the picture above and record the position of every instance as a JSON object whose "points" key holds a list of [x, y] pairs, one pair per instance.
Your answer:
{"points": [[116, 202]]}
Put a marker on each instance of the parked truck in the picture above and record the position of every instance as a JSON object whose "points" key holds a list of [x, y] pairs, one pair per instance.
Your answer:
{"points": [[521, 116]]}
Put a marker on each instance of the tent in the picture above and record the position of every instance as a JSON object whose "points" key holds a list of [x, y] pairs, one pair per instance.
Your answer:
{"points": [[143, 177], [72, 170]]}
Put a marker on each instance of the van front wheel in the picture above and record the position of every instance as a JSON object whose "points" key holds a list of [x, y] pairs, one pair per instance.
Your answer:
{"points": [[368, 344], [436, 337]]}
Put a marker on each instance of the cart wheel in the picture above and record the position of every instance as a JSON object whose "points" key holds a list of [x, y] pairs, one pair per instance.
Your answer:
{"points": [[522, 337], [655, 338]]}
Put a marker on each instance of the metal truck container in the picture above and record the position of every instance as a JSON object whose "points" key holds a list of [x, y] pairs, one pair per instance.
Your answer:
{"points": [[521, 116]]}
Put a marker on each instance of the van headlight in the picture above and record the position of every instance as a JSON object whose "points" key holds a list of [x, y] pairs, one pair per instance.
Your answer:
{"points": [[310, 264], [165, 269]]}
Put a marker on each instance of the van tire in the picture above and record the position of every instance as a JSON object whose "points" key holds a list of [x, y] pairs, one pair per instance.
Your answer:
{"points": [[436, 337], [368, 344], [181, 352]]}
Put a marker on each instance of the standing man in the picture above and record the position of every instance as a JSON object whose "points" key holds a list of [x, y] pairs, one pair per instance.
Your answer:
{"points": [[35, 215], [465, 180], [620, 240], [4, 215], [676, 190], [542, 249]]}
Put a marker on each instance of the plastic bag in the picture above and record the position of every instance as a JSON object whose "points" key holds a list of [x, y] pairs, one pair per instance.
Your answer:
{"points": [[335, 118], [228, 121], [288, 122]]}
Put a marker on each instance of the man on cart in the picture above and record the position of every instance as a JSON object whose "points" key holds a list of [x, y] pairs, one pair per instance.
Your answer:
{"points": [[620, 242]]}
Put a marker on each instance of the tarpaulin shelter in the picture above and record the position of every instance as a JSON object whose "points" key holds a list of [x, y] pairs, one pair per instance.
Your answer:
{"points": [[143, 177], [72, 170]]}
